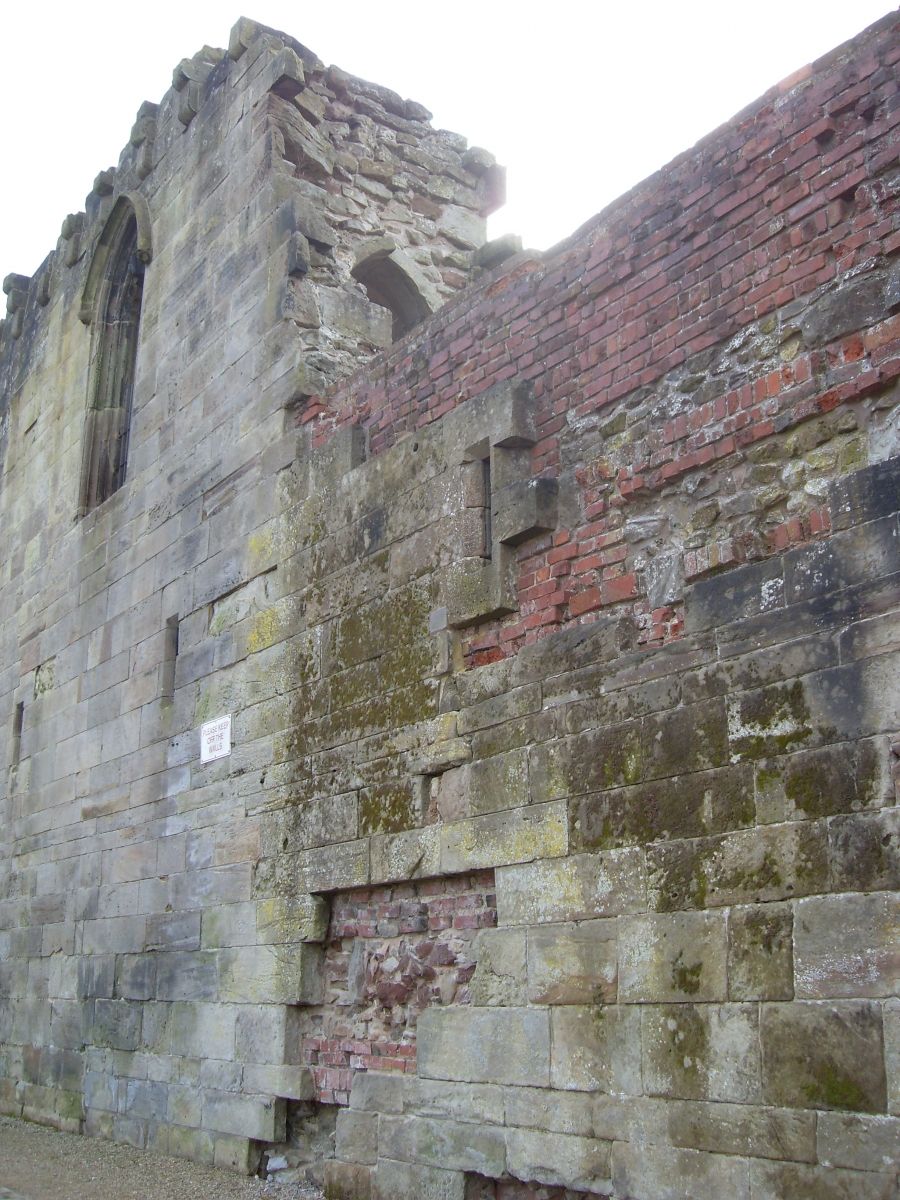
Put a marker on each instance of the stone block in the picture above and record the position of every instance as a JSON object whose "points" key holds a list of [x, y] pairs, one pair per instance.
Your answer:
{"points": [[271, 974], [239, 1154], [402, 1181], [552, 1110], [500, 970], [892, 1053], [672, 1174], [181, 1027], [262, 1033], [760, 952], [289, 1082], [596, 1048], [865, 495], [817, 1055], [701, 1051], [864, 851], [481, 1103], [486, 786], [376, 1091], [747, 1130], [502, 1045], [291, 919], [413, 854], [774, 1181], [356, 1137], [847, 946], [346, 865], [684, 806], [520, 835], [117, 1024], [672, 956], [752, 866], [260, 1118], [184, 1105], [451, 1145], [229, 925], [347, 1181], [734, 595], [573, 964], [558, 1159], [593, 761], [858, 1143], [870, 551], [173, 931], [187, 975], [569, 889], [195, 1144]]}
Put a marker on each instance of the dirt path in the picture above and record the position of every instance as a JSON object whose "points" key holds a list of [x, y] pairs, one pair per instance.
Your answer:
{"points": [[42, 1164]]}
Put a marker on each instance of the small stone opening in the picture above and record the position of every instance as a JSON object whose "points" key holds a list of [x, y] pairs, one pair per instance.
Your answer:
{"points": [[389, 286]]}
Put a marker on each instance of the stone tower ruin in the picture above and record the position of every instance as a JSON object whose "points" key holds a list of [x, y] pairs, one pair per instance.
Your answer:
{"points": [[449, 703]]}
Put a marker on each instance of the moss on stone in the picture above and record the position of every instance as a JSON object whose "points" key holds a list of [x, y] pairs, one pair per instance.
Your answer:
{"points": [[831, 1089]]}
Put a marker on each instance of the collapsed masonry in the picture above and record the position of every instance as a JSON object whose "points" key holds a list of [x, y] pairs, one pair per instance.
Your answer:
{"points": [[552, 847]]}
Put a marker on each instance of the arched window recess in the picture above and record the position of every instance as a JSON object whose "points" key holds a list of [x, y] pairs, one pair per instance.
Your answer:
{"points": [[111, 305], [393, 280]]}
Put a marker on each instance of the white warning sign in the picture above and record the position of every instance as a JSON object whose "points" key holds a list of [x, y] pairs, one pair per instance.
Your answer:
{"points": [[215, 739]]}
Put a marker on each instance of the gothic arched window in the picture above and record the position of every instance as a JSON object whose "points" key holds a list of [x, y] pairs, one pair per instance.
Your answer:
{"points": [[112, 306]]}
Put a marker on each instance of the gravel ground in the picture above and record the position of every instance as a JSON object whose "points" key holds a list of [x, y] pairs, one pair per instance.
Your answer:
{"points": [[42, 1164]]}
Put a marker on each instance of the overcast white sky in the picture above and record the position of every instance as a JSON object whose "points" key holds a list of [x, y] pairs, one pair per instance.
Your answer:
{"points": [[579, 100]]}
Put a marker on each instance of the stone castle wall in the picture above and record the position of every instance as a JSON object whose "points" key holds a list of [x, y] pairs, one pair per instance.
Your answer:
{"points": [[556, 852]]}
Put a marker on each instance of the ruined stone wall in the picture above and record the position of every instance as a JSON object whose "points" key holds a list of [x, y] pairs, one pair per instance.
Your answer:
{"points": [[556, 853]]}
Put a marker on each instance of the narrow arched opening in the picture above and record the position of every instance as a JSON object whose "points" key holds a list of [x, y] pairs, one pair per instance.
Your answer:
{"points": [[116, 285], [389, 285]]}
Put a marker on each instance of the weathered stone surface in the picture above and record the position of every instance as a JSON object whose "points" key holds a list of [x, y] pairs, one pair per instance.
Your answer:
{"points": [[669, 1174], [574, 888], [556, 1111], [505, 881], [503, 1045], [500, 839], [271, 974], [743, 1129], [573, 964], [403, 1181], [357, 1136], [500, 973], [771, 1181], [260, 1119], [702, 1052], [672, 957], [823, 1055], [596, 1048], [847, 946], [445, 1144], [557, 1158], [860, 1143], [760, 952]]}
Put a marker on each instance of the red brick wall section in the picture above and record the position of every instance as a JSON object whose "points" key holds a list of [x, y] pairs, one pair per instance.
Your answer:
{"points": [[392, 951], [795, 197]]}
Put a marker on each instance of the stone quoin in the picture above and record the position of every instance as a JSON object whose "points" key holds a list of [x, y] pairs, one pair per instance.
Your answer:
{"points": [[449, 696]]}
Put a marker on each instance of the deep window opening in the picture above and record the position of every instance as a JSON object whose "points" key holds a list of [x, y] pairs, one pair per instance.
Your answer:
{"points": [[389, 286], [114, 356]]}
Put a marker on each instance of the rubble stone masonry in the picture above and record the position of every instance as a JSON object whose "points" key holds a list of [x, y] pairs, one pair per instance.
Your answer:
{"points": [[553, 599]]}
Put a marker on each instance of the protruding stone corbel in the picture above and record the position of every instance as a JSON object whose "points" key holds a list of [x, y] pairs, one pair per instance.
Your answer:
{"points": [[143, 137], [105, 183], [71, 233], [188, 79], [15, 288]]}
